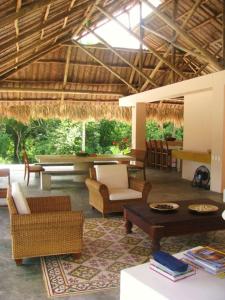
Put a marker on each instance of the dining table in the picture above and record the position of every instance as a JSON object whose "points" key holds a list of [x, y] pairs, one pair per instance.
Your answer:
{"points": [[81, 163]]}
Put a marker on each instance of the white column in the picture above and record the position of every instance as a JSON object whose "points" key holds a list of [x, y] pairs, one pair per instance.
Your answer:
{"points": [[139, 126], [218, 138]]}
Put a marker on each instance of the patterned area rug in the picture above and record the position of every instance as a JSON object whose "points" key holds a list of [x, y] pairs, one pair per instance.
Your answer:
{"points": [[107, 250]]}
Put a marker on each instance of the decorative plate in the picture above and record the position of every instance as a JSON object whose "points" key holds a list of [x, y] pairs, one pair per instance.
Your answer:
{"points": [[203, 208], [165, 206]]}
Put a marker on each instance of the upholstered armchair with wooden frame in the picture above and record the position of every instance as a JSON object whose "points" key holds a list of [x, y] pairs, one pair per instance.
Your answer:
{"points": [[110, 188], [46, 227]]}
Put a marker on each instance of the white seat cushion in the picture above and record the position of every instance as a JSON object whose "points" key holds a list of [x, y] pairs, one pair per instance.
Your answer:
{"points": [[113, 176], [19, 199], [124, 194]]}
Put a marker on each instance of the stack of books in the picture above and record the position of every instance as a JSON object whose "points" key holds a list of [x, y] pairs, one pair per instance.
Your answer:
{"points": [[171, 274], [209, 259]]}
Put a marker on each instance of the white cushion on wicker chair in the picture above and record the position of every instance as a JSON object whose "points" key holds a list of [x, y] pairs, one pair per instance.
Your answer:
{"points": [[19, 199], [113, 176], [124, 194]]}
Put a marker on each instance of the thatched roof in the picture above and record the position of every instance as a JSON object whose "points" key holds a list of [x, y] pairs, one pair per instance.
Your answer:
{"points": [[83, 111], [43, 73]]}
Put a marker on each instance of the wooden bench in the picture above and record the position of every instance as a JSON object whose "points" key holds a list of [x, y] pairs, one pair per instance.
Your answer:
{"points": [[46, 176]]}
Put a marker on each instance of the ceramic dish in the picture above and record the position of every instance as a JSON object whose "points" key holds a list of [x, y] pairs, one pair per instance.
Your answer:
{"points": [[165, 206], [203, 208]]}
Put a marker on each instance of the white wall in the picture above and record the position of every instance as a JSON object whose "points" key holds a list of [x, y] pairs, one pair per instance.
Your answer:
{"points": [[197, 128], [204, 119]]}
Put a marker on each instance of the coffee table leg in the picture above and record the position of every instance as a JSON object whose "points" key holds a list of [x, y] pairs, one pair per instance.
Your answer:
{"points": [[155, 244], [128, 226]]}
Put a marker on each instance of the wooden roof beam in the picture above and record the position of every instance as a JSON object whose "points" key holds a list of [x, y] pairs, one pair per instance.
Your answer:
{"points": [[154, 52], [122, 58], [105, 66], [16, 24], [35, 83], [68, 55], [66, 18], [90, 10], [32, 58], [45, 19], [168, 51], [136, 61], [57, 91], [30, 8], [39, 101], [184, 35], [174, 44], [39, 43], [34, 30]]}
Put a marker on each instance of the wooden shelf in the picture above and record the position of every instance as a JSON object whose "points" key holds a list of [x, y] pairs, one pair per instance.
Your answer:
{"points": [[204, 157]]}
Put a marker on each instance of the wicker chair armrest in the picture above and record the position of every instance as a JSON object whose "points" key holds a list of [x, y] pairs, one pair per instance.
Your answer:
{"points": [[98, 187], [140, 185], [47, 220], [49, 204]]}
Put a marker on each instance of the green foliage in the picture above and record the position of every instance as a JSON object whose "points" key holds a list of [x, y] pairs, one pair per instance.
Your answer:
{"points": [[65, 137], [156, 132]]}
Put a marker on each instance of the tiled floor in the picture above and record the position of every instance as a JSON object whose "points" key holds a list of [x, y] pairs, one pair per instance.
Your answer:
{"points": [[25, 282]]}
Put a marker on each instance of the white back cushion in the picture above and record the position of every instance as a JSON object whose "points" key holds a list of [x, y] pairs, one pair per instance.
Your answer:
{"points": [[19, 199], [113, 176]]}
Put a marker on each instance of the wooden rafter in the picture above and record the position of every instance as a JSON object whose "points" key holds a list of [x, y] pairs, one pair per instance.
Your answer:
{"points": [[45, 19], [185, 36], [39, 43], [140, 54], [174, 44], [32, 58], [32, 83], [146, 44], [90, 10], [187, 18], [30, 8], [57, 91], [102, 47], [136, 61], [45, 101], [48, 23], [16, 24], [122, 57], [105, 66], [66, 18], [68, 55]]}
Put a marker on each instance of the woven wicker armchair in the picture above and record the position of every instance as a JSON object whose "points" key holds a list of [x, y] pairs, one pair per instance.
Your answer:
{"points": [[99, 194], [51, 228]]}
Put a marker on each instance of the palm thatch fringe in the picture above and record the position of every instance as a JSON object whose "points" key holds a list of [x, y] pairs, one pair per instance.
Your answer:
{"points": [[24, 111]]}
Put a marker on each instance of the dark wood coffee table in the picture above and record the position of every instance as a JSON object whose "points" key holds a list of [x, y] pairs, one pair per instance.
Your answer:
{"points": [[181, 221]]}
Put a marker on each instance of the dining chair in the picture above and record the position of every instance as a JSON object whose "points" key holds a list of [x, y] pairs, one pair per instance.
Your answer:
{"points": [[158, 153], [30, 168], [139, 163], [166, 155]]}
